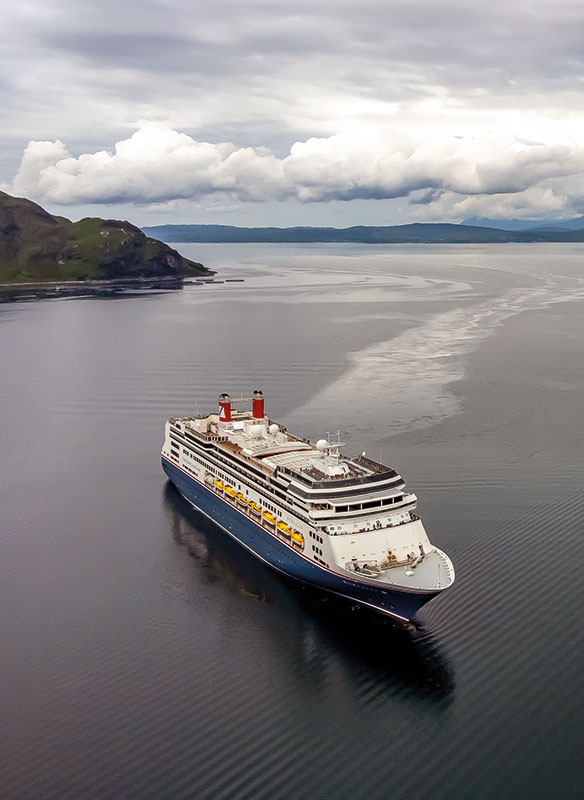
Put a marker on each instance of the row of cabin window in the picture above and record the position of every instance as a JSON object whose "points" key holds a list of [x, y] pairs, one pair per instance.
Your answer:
{"points": [[231, 464], [257, 474], [316, 536], [320, 561], [268, 506], [388, 501], [317, 549], [194, 458], [250, 476], [201, 462], [212, 470], [264, 484]]}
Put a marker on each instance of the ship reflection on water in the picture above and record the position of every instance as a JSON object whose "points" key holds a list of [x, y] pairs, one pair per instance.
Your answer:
{"points": [[318, 625]]}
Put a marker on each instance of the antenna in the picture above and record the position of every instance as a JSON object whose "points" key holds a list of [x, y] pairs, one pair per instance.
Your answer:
{"points": [[332, 446]]}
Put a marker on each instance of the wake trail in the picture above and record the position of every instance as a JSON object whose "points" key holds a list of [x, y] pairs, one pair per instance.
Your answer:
{"points": [[404, 382]]}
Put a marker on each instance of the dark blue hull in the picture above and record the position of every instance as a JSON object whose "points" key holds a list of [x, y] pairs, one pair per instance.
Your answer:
{"points": [[400, 604]]}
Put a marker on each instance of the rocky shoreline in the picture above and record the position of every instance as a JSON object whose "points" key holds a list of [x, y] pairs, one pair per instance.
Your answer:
{"points": [[21, 292]]}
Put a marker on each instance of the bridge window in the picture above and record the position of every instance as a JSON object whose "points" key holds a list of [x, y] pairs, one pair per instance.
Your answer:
{"points": [[372, 504]]}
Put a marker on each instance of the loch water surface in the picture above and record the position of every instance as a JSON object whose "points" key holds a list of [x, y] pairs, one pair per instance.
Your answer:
{"points": [[144, 655]]}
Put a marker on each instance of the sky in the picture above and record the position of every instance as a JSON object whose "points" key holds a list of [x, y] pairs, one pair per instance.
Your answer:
{"points": [[320, 112]]}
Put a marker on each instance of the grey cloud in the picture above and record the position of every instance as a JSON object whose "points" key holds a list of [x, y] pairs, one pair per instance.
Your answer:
{"points": [[159, 54], [452, 44], [427, 198]]}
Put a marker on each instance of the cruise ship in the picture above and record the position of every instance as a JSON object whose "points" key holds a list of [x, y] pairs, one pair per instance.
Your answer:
{"points": [[346, 525]]}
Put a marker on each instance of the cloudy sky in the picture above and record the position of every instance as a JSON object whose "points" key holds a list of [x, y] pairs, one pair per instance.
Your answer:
{"points": [[321, 112]]}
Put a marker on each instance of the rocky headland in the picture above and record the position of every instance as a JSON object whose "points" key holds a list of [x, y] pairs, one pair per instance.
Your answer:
{"points": [[37, 248]]}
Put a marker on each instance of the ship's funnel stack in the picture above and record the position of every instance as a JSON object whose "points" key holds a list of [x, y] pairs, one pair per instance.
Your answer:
{"points": [[257, 403], [224, 408]]}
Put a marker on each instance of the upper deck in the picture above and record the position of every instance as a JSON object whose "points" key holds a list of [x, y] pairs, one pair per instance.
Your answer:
{"points": [[313, 469]]}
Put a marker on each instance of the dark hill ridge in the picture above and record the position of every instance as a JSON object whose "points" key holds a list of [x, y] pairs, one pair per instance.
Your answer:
{"points": [[418, 232], [36, 246], [526, 224]]}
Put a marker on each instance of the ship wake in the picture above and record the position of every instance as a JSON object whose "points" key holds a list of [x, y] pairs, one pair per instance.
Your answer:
{"points": [[407, 380]]}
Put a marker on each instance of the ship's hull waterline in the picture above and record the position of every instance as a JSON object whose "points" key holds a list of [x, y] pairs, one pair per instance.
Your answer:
{"points": [[399, 604]]}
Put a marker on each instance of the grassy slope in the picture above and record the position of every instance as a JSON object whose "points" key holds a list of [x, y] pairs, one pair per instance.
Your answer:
{"points": [[36, 246]]}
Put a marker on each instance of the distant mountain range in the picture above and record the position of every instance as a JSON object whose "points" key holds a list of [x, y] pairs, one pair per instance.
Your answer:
{"points": [[526, 224], [418, 232]]}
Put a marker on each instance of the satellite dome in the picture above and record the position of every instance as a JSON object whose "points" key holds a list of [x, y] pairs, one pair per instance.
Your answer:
{"points": [[273, 428], [322, 444]]}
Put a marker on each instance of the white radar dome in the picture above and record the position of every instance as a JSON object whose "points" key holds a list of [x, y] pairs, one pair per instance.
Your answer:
{"points": [[273, 428], [322, 444], [256, 431]]}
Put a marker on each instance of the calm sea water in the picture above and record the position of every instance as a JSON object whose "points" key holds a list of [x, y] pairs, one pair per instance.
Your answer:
{"points": [[143, 655]]}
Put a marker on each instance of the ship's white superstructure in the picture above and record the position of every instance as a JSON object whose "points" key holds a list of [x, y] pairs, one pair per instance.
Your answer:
{"points": [[307, 506]]}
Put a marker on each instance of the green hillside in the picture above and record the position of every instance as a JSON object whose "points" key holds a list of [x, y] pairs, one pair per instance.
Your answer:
{"points": [[36, 246]]}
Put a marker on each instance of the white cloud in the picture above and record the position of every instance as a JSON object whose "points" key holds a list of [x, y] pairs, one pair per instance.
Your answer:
{"points": [[451, 175], [154, 165]]}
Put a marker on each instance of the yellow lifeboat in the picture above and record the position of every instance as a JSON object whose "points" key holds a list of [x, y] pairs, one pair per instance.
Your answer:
{"points": [[219, 484], [284, 528], [254, 507], [268, 517], [242, 499], [297, 537], [229, 491]]}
